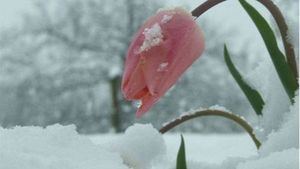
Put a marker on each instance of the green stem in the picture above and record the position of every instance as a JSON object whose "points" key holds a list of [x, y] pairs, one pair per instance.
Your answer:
{"points": [[243, 123]]}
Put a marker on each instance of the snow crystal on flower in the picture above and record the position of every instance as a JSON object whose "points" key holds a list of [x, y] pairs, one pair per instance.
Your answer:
{"points": [[153, 36], [162, 66], [137, 103], [166, 18]]}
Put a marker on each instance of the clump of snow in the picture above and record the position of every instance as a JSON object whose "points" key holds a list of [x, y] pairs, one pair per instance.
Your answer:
{"points": [[166, 18], [57, 147], [218, 107], [287, 136], [54, 147], [265, 79], [162, 66], [287, 159], [140, 146], [153, 37]]}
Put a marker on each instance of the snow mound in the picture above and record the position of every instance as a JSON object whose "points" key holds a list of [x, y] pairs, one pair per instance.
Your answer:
{"points": [[54, 147], [140, 146], [287, 159], [287, 136], [61, 147], [265, 79]]}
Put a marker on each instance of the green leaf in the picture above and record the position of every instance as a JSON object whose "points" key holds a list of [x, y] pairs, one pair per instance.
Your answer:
{"points": [[283, 70], [252, 95], [181, 161]]}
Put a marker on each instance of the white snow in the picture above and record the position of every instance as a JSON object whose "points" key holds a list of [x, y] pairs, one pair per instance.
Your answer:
{"points": [[54, 147], [139, 146], [143, 147], [218, 107], [287, 136], [166, 18], [287, 159], [265, 79], [153, 37], [199, 147], [162, 66]]}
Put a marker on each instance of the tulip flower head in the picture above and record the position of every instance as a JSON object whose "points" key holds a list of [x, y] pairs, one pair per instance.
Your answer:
{"points": [[162, 49]]}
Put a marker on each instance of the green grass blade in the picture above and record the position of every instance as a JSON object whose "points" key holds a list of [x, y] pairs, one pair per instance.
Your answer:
{"points": [[181, 160], [252, 95], [283, 70]]}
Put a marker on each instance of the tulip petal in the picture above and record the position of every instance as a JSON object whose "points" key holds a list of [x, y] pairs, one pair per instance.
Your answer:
{"points": [[191, 49], [163, 48], [182, 45], [153, 69], [134, 87]]}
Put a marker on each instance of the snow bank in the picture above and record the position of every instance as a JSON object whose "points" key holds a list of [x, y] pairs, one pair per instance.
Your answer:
{"points": [[61, 147], [281, 149], [265, 79], [140, 146], [54, 147], [287, 159], [287, 136]]}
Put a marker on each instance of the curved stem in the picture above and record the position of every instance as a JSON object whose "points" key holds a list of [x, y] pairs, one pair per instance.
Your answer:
{"points": [[220, 113], [204, 7], [283, 28]]}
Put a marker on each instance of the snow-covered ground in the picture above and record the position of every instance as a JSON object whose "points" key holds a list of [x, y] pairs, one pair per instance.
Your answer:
{"points": [[211, 148], [143, 147]]}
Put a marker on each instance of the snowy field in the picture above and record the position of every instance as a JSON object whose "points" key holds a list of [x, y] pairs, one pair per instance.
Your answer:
{"points": [[211, 148]]}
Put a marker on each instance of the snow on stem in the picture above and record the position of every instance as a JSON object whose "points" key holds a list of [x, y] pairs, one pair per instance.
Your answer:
{"points": [[279, 19], [210, 112]]}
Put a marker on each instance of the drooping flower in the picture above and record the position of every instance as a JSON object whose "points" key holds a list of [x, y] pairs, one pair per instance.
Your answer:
{"points": [[163, 48]]}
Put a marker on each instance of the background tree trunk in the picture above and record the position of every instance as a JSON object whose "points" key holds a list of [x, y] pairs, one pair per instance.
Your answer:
{"points": [[115, 103]]}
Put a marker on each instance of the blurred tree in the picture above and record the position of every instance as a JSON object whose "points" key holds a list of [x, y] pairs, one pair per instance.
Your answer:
{"points": [[64, 51]]}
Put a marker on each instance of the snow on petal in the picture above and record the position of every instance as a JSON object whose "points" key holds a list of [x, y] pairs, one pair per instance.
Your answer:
{"points": [[153, 36], [166, 18]]}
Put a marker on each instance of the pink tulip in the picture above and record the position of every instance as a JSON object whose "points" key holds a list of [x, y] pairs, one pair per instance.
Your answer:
{"points": [[163, 48]]}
